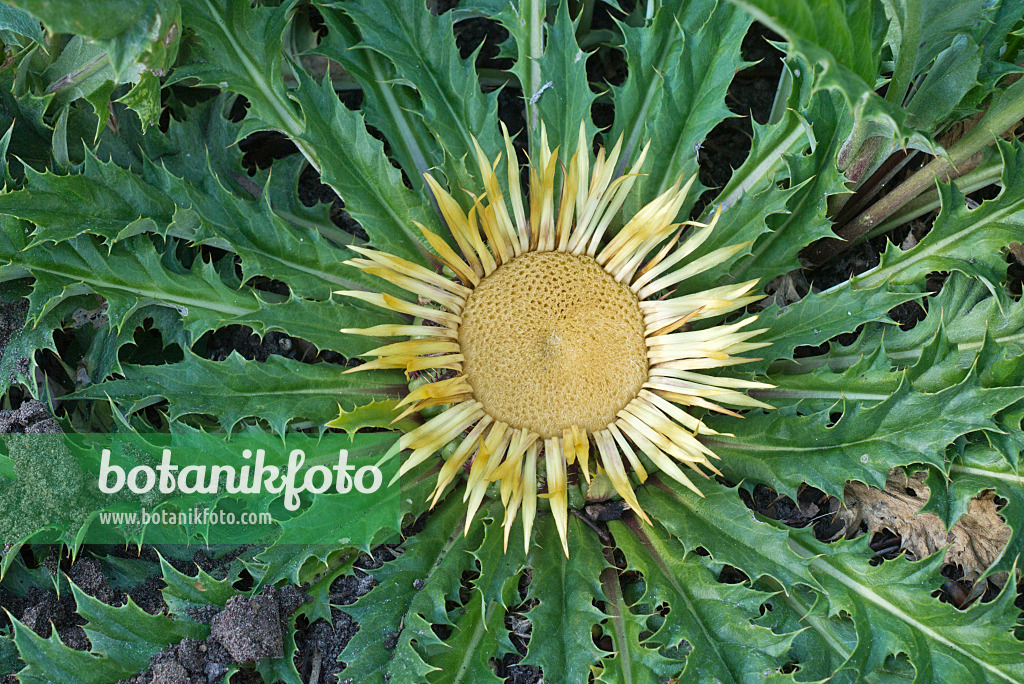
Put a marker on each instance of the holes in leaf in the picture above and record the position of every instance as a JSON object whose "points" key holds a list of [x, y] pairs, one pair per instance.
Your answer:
{"points": [[813, 507], [147, 348], [962, 592], [886, 545], [732, 575], [487, 35]]}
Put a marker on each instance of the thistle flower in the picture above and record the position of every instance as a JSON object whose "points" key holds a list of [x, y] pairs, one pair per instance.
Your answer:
{"points": [[552, 340]]}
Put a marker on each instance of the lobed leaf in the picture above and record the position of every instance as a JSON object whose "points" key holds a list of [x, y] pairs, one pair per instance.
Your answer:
{"points": [[277, 390]]}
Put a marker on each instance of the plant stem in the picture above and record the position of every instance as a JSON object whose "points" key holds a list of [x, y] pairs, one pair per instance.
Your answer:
{"points": [[536, 10], [1005, 112], [983, 176]]}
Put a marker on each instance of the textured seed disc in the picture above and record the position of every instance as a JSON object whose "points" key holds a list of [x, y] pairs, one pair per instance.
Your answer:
{"points": [[551, 341]]}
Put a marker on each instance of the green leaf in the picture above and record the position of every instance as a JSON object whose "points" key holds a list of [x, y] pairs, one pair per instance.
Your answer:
{"points": [[942, 642], [565, 588], [396, 616], [728, 530], [813, 180], [633, 658], [786, 448], [18, 353], [473, 644], [890, 604], [183, 593], [824, 643], [552, 70], [266, 243], [389, 105], [277, 390], [239, 48], [680, 68], [133, 274], [241, 51], [18, 21], [353, 163], [9, 660], [715, 619], [377, 414], [82, 68], [49, 660], [104, 199], [962, 239], [110, 629], [134, 34], [842, 42], [964, 310], [144, 99], [819, 317], [456, 114], [954, 73]]}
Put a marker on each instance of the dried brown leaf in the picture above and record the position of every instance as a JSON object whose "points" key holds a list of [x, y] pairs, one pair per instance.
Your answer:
{"points": [[973, 543]]}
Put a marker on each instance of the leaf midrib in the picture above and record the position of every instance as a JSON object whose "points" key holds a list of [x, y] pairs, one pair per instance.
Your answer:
{"points": [[817, 562]]}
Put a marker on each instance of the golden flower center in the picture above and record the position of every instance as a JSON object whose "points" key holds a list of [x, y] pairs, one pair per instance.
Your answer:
{"points": [[551, 341]]}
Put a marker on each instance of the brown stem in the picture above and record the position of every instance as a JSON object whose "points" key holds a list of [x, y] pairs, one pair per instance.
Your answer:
{"points": [[1004, 115]]}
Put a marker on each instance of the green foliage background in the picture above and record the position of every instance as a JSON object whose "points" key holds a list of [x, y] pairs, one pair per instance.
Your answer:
{"points": [[163, 226]]}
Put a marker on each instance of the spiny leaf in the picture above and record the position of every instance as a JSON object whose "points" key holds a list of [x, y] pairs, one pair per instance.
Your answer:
{"points": [[9, 660], [728, 530], [964, 309], [479, 631], [942, 642], [982, 468], [18, 351], [203, 140], [396, 616], [819, 317], [680, 68], [842, 41], [813, 180], [49, 660], [184, 593], [115, 203], [388, 105], [131, 31], [823, 643], [109, 629], [552, 70], [376, 414], [277, 390], [266, 243], [962, 239], [715, 619], [565, 588], [787, 448], [399, 31], [473, 644], [633, 658], [239, 49], [133, 274], [18, 21], [353, 163], [104, 199]]}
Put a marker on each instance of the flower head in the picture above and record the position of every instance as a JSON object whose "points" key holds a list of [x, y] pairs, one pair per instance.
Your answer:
{"points": [[554, 338]]}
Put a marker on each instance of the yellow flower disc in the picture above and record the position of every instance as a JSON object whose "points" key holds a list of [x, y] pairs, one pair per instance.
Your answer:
{"points": [[552, 341]]}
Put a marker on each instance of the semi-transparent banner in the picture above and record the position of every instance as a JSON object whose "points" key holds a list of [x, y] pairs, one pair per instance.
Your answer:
{"points": [[196, 488]]}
